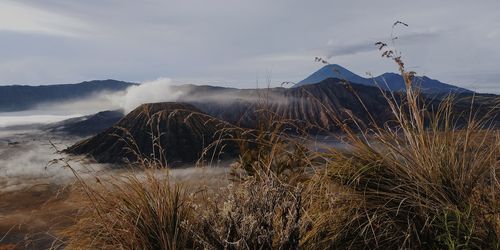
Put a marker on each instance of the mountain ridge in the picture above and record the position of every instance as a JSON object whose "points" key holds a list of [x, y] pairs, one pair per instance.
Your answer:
{"points": [[387, 81], [24, 97]]}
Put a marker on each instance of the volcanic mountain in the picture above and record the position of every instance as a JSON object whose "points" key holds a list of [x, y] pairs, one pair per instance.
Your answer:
{"points": [[171, 132], [387, 81], [322, 106], [319, 107]]}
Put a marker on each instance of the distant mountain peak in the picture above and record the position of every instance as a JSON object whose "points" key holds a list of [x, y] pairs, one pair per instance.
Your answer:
{"points": [[330, 71], [387, 81]]}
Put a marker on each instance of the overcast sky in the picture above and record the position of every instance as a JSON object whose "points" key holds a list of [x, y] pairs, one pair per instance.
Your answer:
{"points": [[235, 43]]}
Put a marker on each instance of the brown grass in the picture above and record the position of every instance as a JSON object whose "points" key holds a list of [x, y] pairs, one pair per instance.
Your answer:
{"points": [[132, 212], [255, 214]]}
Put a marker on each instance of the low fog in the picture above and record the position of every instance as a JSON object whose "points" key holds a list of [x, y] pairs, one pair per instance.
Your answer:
{"points": [[25, 158], [31, 117]]}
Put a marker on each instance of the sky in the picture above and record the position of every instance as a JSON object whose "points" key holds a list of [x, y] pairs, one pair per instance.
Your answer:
{"points": [[244, 44]]}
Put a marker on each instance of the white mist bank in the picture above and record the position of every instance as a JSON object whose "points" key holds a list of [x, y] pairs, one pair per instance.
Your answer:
{"points": [[25, 160], [27, 118], [26, 156], [159, 90]]}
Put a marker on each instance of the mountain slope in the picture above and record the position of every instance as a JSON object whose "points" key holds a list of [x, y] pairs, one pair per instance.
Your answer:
{"points": [[23, 97], [181, 130], [318, 106], [388, 81], [86, 125]]}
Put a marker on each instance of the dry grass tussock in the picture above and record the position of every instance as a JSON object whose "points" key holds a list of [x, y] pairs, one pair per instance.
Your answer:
{"points": [[133, 212], [423, 182]]}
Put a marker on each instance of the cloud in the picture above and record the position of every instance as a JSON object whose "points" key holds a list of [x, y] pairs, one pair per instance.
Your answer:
{"points": [[9, 120], [159, 90], [334, 49], [26, 163], [342, 50], [18, 17]]}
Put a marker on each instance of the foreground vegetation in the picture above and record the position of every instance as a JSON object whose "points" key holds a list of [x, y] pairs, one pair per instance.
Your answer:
{"points": [[423, 181]]}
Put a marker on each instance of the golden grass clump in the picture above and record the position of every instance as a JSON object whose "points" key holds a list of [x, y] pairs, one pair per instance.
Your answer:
{"points": [[436, 188], [132, 212]]}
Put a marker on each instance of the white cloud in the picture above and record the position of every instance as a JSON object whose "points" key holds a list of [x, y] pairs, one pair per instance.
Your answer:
{"points": [[29, 162], [17, 17], [153, 91], [159, 90], [7, 119]]}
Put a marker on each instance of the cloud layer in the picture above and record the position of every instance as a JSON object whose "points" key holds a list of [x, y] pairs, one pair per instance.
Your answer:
{"points": [[233, 43], [8, 120], [29, 163]]}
